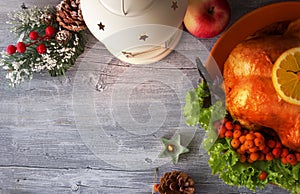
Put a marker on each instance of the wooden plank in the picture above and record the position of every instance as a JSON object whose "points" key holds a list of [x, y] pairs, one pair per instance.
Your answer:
{"points": [[42, 149]]}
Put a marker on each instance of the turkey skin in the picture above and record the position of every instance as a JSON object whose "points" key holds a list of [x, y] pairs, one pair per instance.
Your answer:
{"points": [[250, 96]]}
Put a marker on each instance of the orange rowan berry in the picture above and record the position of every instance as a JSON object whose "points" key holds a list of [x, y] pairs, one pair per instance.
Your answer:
{"points": [[297, 154], [291, 158], [229, 125], [284, 160], [243, 148], [237, 133], [250, 136], [243, 158], [271, 143], [284, 152], [276, 152], [269, 156], [242, 139], [224, 120], [222, 131], [261, 156], [262, 147], [294, 163], [239, 150], [258, 141], [235, 143], [278, 144], [259, 135], [253, 149], [249, 160], [266, 150], [249, 144], [228, 134], [245, 132], [237, 127], [254, 156]]}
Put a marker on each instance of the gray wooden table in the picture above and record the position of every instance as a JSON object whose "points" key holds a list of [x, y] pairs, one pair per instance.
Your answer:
{"points": [[97, 129]]}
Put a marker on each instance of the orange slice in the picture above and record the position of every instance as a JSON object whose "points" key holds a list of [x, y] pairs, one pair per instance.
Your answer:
{"points": [[286, 76]]}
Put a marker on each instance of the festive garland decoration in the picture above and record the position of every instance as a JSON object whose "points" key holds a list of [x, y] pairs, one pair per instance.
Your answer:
{"points": [[49, 40]]}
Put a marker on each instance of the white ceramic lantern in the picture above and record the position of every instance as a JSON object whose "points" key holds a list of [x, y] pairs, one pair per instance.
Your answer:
{"points": [[136, 31]]}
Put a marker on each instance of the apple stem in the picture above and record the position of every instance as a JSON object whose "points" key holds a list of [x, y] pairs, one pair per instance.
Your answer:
{"points": [[211, 10]]}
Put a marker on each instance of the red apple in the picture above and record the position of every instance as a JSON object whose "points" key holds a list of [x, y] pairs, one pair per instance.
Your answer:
{"points": [[207, 18]]}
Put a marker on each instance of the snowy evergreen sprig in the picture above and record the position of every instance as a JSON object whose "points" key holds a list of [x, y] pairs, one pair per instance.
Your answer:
{"points": [[56, 58]]}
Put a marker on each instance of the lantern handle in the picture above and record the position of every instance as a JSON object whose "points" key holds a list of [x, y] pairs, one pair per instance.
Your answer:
{"points": [[123, 7]]}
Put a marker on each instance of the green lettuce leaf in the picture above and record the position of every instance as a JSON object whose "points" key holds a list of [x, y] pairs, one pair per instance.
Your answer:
{"points": [[224, 160], [194, 111]]}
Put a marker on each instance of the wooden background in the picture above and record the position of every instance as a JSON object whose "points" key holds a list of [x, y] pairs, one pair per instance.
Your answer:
{"points": [[51, 140]]}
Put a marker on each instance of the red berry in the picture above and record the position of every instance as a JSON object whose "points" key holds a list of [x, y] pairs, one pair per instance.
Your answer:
{"points": [[33, 35], [297, 154], [291, 158], [11, 49], [266, 150], [277, 152], [49, 31], [284, 161], [41, 49], [263, 175], [278, 144], [21, 47]]}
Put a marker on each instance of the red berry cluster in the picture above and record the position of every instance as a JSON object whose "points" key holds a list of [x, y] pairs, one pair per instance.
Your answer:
{"points": [[33, 35], [254, 145]]}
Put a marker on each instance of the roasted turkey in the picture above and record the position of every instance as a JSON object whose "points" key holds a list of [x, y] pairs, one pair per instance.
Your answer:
{"points": [[250, 96]]}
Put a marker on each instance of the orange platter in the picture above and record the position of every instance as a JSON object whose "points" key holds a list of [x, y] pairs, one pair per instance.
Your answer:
{"points": [[248, 25]]}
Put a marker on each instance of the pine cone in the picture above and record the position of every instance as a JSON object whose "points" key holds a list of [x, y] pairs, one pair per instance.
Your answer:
{"points": [[69, 16], [176, 182], [48, 18], [63, 37]]}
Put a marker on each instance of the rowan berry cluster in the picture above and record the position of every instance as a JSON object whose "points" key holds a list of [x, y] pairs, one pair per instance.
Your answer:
{"points": [[254, 145]]}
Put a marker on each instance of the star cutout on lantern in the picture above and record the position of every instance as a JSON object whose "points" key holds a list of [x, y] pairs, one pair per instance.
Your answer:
{"points": [[174, 5], [144, 37], [173, 148], [101, 26]]}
